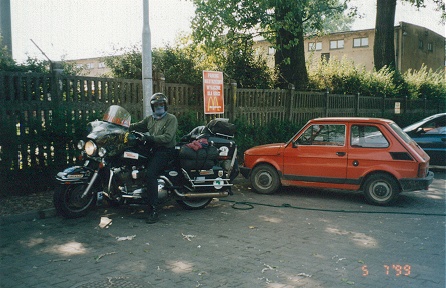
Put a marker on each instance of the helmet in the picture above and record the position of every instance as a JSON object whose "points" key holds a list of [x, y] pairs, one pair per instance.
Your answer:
{"points": [[158, 98]]}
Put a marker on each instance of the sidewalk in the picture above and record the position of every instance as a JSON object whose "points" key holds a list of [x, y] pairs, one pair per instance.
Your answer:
{"points": [[229, 244]]}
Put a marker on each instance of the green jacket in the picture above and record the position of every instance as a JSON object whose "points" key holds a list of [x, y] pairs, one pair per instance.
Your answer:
{"points": [[164, 130]]}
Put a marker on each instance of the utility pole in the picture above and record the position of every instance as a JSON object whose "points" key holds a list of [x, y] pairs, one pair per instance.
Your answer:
{"points": [[5, 24], [147, 80]]}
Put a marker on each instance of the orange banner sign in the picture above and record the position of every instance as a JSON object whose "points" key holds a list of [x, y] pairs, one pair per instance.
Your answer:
{"points": [[213, 92]]}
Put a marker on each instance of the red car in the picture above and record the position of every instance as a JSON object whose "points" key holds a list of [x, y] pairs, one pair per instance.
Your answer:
{"points": [[362, 154]]}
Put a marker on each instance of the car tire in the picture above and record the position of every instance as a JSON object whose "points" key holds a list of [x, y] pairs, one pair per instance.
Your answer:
{"points": [[265, 179], [381, 189]]}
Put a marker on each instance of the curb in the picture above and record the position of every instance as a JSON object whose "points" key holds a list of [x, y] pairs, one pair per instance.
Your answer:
{"points": [[28, 216]]}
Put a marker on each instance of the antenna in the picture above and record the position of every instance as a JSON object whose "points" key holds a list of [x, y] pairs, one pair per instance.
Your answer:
{"points": [[41, 51]]}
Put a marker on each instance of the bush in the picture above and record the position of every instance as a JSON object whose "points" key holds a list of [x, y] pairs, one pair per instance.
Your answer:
{"points": [[425, 83], [343, 77]]}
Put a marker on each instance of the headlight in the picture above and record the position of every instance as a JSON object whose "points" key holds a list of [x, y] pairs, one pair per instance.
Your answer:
{"points": [[90, 148], [102, 152], [80, 144]]}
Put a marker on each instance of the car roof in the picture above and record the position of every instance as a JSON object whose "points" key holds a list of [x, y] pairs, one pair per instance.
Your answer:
{"points": [[352, 119]]}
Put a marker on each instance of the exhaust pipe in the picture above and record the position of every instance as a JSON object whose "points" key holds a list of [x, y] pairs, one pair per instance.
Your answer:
{"points": [[207, 195]]}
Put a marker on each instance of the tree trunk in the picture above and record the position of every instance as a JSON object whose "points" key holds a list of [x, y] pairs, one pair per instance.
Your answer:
{"points": [[384, 46], [290, 57], [291, 60]]}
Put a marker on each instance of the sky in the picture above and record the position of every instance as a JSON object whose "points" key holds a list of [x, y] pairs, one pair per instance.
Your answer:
{"points": [[77, 29]]}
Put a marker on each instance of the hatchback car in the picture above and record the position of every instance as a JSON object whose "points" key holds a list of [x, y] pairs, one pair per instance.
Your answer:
{"points": [[362, 154], [430, 134]]}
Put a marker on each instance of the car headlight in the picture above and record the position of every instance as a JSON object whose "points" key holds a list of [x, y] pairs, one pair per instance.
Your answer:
{"points": [[90, 148], [102, 151], [80, 144]]}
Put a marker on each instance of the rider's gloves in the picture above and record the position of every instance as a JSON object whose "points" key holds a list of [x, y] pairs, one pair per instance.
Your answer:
{"points": [[148, 138]]}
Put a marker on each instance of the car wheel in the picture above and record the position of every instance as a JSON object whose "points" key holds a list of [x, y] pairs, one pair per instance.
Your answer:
{"points": [[381, 189], [265, 179]]}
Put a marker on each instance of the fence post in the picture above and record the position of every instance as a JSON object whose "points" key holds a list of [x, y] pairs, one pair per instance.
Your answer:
{"points": [[405, 104], [425, 106], [232, 115], [58, 116], [357, 104], [159, 85], [383, 109], [327, 96], [291, 102]]}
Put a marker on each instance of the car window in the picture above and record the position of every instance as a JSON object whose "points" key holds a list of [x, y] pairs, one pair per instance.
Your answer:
{"points": [[400, 132], [367, 136], [333, 134]]}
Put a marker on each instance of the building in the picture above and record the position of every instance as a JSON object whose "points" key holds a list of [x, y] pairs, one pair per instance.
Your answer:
{"points": [[93, 67], [414, 46]]}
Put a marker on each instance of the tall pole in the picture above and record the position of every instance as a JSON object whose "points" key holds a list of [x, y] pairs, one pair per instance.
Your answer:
{"points": [[147, 81], [5, 24]]}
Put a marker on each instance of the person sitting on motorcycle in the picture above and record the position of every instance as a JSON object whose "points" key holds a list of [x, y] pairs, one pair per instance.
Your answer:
{"points": [[159, 130]]}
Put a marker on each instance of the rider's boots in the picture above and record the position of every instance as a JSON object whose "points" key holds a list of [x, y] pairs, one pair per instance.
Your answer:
{"points": [[152, 216]]}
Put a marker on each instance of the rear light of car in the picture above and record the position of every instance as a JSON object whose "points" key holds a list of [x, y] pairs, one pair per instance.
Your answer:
{"points": [[423, 170]]}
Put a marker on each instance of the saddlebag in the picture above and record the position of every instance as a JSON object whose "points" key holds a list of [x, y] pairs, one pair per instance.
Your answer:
{"points": [[201, 159]]}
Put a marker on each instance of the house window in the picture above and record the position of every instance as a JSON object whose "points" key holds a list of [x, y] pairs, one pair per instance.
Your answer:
{"points": [[360, 42], [314, 46], [337, 44], [420, 44], [430, 47], [90, 65], [325, 57], [101, 65]]}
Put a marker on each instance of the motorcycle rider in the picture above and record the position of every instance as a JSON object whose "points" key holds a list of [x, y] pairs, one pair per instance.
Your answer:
{"points": [[160, 130]]}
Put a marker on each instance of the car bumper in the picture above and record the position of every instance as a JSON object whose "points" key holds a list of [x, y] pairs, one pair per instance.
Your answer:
{"points": [[245, 172], [414, 184]]}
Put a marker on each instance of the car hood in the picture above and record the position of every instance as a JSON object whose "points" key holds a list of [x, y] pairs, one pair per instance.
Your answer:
{"points": [[267, 149]]}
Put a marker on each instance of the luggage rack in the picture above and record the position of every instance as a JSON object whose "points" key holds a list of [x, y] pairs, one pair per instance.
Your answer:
{"points": [[203, 182]]}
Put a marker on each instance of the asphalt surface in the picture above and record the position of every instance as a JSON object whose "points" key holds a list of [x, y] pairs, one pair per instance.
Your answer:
{"points": [[296, 238]]}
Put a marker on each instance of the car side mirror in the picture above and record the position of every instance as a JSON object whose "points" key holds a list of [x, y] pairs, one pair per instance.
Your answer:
{"points": [[295, 144]]}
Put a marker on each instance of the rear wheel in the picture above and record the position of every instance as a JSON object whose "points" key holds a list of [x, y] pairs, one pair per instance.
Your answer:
{"points": [[69, 203], [265, 179], [194, 204], [381, 189]]}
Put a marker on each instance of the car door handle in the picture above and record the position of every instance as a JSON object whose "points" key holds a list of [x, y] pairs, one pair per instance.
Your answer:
{"points": [[340, 153]]}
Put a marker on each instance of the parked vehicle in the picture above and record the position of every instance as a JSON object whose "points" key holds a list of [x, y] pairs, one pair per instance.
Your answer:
{"points": [[114, 167], [364, 154], [430, 134]]}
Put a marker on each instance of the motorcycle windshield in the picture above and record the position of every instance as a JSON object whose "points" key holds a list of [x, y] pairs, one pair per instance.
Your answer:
{"points": [[117, 115]]}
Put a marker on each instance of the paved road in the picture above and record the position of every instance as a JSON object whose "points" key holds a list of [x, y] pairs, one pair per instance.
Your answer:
{"points": [[297, 238]]}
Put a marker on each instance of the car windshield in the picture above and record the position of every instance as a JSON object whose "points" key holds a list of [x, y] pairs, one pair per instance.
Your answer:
{"points": [[401, 133], [117, 115]]}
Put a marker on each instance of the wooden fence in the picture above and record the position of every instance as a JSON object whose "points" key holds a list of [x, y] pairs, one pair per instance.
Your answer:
{"points": [[40, 114]]}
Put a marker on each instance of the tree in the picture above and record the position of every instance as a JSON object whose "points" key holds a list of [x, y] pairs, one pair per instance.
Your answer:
{"points": [[242, 65], [384, 47], [218, 23]]}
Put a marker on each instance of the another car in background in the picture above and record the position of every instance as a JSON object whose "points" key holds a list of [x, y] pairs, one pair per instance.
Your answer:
{"points": [[430, 134], [361, 154]]}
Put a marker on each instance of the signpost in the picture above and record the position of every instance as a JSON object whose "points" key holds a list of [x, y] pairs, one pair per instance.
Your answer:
{"points": [[213, 92]]}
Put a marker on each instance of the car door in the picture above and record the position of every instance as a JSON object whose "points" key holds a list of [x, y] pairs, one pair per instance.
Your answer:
{"points": [[317, 157]]}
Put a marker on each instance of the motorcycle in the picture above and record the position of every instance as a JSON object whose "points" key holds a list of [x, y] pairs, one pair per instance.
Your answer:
{"points": [[115, 160]]}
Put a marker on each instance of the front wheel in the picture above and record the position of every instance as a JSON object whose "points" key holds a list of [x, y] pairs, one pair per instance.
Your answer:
{"points": [[381, 189], [194, 204], [69, 203], [265, 179]]}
